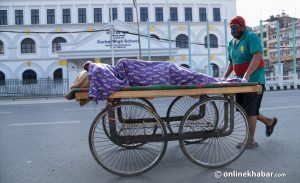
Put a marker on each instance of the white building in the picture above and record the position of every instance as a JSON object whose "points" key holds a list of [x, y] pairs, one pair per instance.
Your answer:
{"points": [[75, 36]]}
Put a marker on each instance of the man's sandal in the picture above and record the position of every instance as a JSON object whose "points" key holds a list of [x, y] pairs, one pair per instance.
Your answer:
{"points": [[251, 146], [270, 129], [248, 145]]}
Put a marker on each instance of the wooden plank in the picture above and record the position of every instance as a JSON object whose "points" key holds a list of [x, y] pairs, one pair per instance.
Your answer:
{"points": [[187, 92], [180, 92]]}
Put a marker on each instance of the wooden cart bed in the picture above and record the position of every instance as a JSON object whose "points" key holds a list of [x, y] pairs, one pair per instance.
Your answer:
{"points": [[173, 90]]}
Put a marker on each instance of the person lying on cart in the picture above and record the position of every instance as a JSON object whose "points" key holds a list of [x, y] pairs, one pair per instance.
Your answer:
{"points": [[104, 79]]}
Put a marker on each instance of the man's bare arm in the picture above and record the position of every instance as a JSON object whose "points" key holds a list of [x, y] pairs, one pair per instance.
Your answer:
{"points": [[228, 71]]}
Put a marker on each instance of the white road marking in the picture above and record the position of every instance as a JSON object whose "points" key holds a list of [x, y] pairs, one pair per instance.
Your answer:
{"points": [[79, 109], [4, 112], [45, 123], [275, 108], [296, 96]]}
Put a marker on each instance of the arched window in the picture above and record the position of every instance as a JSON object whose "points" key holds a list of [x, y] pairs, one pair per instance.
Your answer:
{"points": [[56, 44], [58, 75], [182, 41], [1, 47], [29, 77], [215, 70], [28, 46], [2, 78], [213, 41]]}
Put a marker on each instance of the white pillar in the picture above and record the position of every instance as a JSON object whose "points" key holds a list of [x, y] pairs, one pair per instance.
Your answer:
{"points": [[279, 75], [295, 80]]}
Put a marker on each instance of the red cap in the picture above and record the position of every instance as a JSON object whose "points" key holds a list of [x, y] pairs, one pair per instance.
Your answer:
{"points": [[238, 20]]}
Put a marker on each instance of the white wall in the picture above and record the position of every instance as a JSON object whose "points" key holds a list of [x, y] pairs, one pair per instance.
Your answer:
{"points": [[44, 61]]}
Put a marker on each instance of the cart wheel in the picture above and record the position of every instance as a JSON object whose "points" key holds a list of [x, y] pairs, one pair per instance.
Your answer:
{"points": [[178, 108], [213, 149], [128, 159]]}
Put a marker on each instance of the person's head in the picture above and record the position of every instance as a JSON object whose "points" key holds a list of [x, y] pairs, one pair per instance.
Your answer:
{"points": [[86, 65], [237, 26]]}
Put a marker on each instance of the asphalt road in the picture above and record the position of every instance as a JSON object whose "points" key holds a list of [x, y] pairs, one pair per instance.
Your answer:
{"points": [[47, 142]]}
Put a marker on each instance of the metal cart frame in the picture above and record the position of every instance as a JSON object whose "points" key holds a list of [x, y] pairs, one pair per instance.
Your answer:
{"points": [[128, 137]]}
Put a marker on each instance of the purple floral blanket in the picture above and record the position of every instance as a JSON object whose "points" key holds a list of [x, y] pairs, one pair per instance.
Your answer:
{"points": [[106, 79]]}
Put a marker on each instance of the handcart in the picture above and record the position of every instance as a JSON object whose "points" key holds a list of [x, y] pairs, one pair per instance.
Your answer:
{"points": [[128, 137]]}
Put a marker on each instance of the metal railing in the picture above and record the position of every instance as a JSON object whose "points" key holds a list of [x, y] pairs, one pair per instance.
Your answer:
{"points": [[38, 88], [283, 81]]}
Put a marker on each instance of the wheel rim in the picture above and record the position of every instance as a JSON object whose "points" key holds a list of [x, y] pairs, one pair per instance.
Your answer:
{"points": [[127, 159], [214, 151]]}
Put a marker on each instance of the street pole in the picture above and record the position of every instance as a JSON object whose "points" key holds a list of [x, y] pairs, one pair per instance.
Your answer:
{"points": [[226, 43], [208, 47], [279, 75], [138, 27], [190, 45], [294, 47], [148, 33], [111, 36], [169, 37], [295, 77], [278, 48]]}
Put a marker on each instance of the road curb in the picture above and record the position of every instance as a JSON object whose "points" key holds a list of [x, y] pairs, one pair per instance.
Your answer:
{"points": [[277, 88], [33, 101]]}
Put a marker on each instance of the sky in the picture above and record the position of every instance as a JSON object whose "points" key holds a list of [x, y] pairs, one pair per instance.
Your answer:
{"points": [[255, 10]]}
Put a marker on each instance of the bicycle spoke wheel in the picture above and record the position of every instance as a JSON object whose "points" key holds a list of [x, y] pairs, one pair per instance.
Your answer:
{"points": [[128, 159], [213, 149], [177, 109]]}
